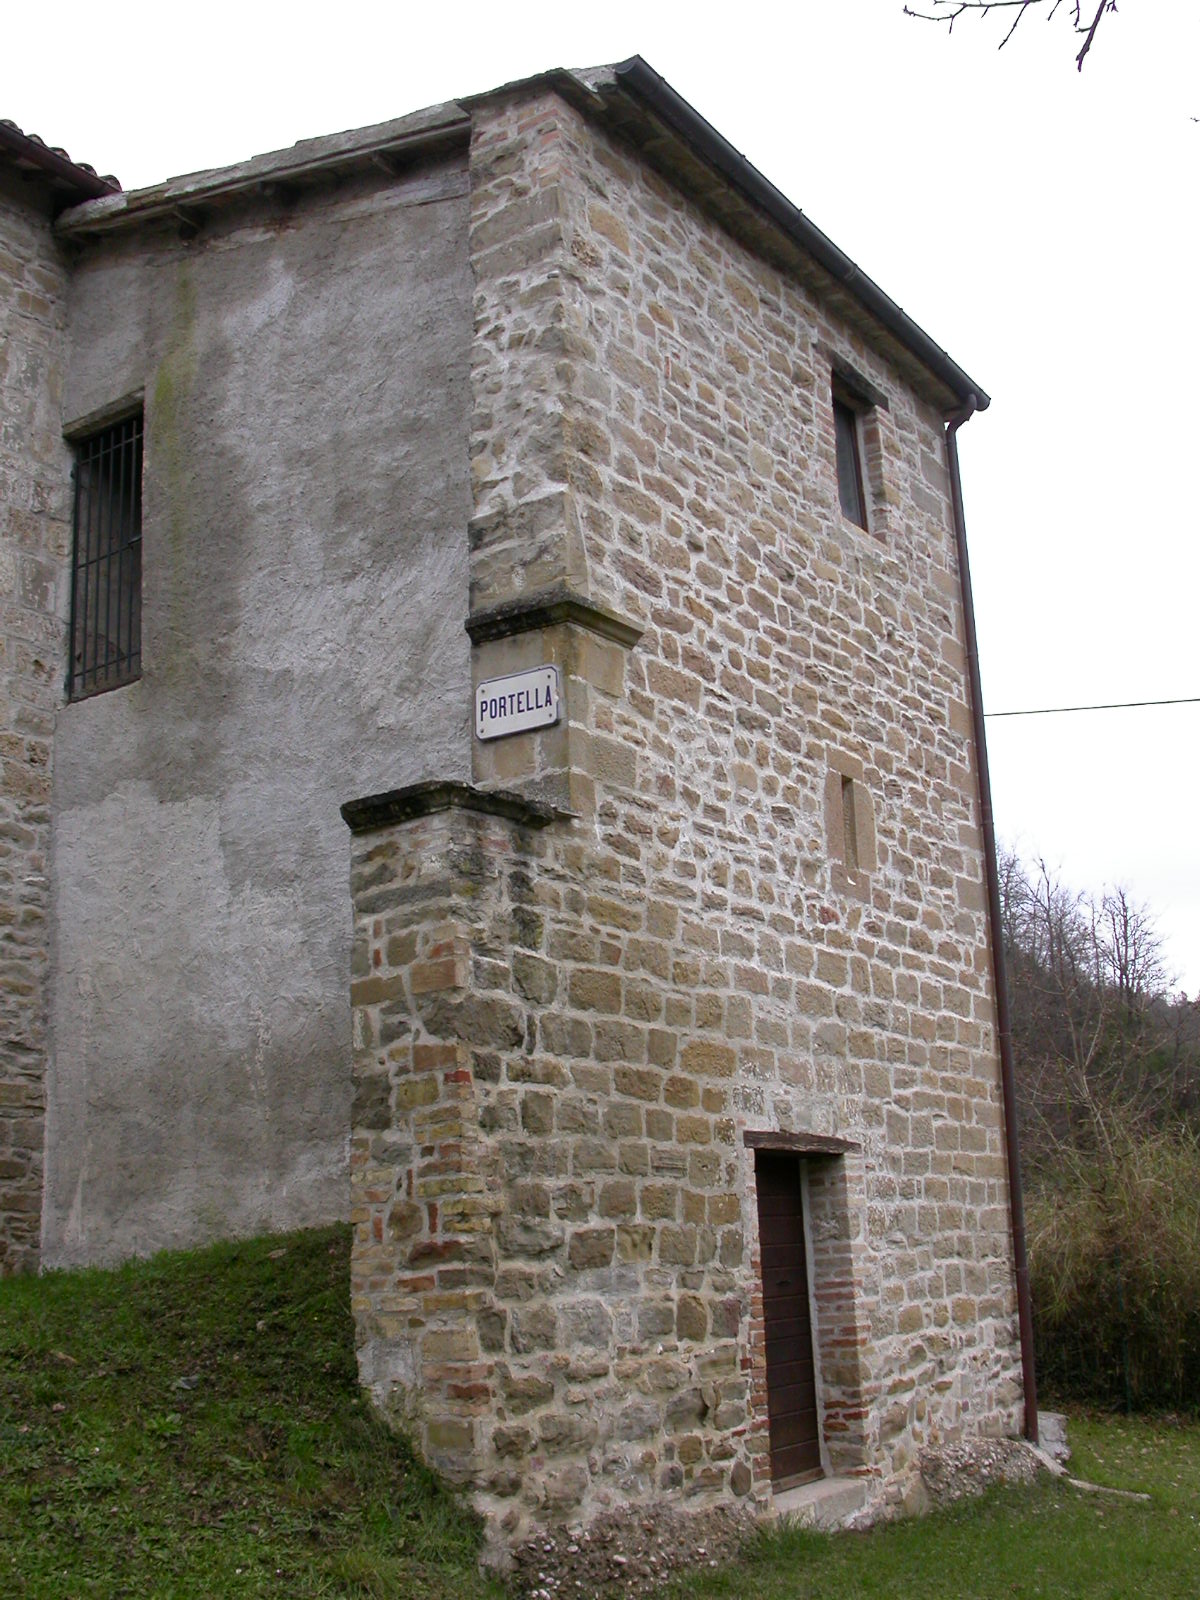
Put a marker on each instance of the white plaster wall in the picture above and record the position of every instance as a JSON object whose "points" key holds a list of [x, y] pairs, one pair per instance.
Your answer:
{"points": [[305, 584]]}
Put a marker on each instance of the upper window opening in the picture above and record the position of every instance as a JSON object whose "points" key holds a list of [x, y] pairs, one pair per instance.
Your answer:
{"points": [[849, 463], [106, 585]]}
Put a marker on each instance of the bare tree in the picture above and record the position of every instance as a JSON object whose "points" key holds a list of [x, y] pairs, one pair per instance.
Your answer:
{"points": [[949, 11], [1098, 1040]]}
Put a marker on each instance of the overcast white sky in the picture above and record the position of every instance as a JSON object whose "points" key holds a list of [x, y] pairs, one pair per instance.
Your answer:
{"points": [[1041, 224]]}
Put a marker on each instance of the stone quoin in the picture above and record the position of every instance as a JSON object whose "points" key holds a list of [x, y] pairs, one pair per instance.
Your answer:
{"points": [[657, 1039]]}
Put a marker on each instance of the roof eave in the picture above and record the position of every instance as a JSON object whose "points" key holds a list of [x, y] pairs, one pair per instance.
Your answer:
{"points": [[446, 125], [389, 146], [638, 79], [69, 181]]}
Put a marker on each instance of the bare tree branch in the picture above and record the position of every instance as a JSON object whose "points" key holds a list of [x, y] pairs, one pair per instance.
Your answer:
{"points": [[1105, 5], [949, 11], [1015, 21]]}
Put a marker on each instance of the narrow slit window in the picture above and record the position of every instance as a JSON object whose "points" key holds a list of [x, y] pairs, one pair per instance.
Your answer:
{"points": [[849, 826], [849, 463], [106, 584]]}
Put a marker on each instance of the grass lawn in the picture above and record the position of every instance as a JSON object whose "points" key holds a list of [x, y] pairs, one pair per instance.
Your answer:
{"points": [[1015, 1543], [190, 1427]]}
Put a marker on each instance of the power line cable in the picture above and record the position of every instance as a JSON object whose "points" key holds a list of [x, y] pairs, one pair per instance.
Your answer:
{"points": [[1114, 705]]}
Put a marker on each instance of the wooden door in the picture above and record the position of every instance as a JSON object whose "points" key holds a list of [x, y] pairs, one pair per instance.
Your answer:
{"points": [[791, 1379]]}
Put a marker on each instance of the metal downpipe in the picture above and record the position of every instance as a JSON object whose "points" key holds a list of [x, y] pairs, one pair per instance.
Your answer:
{"points": [[992, 875]]}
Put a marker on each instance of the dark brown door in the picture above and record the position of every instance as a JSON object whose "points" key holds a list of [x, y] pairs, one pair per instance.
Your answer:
{"points": [[791, 1382]]}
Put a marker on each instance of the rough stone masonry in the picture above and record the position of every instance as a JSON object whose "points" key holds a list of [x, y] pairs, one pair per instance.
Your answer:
{"points": [[734, 901], [35, 535], [546, 378]]}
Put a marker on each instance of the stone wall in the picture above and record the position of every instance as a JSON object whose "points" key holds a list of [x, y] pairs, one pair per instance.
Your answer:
{"points": [[549, 1270], [782, 644], [35, 539], [693, 960]]}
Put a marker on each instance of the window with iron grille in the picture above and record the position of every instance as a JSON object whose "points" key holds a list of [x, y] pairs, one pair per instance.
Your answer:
{"points": [[106, 587]]}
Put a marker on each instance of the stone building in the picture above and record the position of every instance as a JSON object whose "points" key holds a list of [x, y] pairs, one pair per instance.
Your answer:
{"points": [[529, 481]]}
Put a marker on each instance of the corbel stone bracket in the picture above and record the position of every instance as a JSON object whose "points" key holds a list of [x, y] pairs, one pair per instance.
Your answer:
{"points": [[423, 799], [547, 608]]}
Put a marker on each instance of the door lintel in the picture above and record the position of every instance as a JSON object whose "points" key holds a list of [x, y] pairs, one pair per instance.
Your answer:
{"points": [[801, 1144]]}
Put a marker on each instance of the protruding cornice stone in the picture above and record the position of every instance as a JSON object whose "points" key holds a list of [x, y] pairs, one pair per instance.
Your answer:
{"points": [[546, 608], [423, 799]]}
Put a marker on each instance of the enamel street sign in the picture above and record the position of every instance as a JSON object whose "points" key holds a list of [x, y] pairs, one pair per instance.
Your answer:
{"points": [[517, 703]]}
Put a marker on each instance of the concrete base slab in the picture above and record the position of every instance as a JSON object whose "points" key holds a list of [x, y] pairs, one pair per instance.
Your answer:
{"points": [[1052, 1435], [828, 1503]]}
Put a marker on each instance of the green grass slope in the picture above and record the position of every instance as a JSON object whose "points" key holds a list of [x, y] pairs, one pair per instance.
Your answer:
{"points": [[191, 1426]]}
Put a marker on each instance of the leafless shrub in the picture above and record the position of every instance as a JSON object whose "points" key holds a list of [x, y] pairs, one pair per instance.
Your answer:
{"points": [[1107, 1070]]}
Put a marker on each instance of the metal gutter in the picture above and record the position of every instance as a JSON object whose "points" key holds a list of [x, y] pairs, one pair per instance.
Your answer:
{"points": [[638, 78], [1012, 1143]]}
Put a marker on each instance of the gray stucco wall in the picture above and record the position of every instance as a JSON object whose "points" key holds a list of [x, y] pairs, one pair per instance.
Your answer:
{"points": [[305, 585]]}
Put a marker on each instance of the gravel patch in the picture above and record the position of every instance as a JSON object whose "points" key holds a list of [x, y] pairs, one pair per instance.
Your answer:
{"points": [[627, 1553], [953, 1471]]}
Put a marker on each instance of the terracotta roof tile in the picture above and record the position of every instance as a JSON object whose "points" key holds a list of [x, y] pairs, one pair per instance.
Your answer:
{"points": [[29, 152]]}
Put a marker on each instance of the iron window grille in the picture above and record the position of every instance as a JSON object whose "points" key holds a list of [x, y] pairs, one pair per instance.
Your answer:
{"points": [[106, 585]]}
